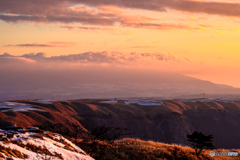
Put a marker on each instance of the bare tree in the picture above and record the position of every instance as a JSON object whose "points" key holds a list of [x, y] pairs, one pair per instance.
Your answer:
{"points": [[101, 139], [77, 129]]}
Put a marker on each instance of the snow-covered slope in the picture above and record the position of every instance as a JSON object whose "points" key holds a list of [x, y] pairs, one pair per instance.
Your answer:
{"points": [[18, 107], [35, 146]]}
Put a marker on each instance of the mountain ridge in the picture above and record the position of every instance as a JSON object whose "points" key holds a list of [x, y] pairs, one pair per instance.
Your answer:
{"points": [[167, 121]]}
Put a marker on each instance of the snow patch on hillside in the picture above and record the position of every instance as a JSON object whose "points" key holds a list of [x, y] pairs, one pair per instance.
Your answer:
{"points": [[18, 107], [44, 101], [185, 100], [209, 100], [109, 101], [142, 102], [55, 145]]}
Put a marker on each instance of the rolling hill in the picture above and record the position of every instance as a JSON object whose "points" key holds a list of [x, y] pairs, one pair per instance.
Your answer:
{"points": [[166, 121]]}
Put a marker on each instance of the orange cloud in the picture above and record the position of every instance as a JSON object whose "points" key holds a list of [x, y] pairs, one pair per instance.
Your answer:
{"points": [[50, 44], [141, 46]]}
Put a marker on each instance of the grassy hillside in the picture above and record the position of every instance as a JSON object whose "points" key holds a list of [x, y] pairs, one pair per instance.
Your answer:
{"points": [[135, 149]]}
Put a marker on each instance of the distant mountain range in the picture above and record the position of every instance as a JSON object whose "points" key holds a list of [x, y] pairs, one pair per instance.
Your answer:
{"points": [[109, 84]]}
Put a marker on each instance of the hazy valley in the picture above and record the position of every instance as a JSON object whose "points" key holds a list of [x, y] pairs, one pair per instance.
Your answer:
{"points": [[91, 83]]}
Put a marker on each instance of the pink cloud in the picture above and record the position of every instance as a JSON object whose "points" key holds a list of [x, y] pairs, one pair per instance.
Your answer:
{"points": [[107, 12], [99, 57]]}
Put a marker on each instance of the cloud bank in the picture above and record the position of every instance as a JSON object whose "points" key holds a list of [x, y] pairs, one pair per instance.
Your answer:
{"points": [[39, 7], [108, 12], [95, 57], [50, 44]]}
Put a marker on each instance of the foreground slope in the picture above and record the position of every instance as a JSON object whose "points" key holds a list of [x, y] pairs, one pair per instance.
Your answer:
{"points": [[32, 146], [135, 149], [166, 121]]}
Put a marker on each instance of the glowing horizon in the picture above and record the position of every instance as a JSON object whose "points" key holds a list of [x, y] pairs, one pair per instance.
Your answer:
{"points": [[198, 38]]}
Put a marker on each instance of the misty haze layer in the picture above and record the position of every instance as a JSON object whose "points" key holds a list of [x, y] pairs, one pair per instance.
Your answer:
{"points": [[100, 82]]}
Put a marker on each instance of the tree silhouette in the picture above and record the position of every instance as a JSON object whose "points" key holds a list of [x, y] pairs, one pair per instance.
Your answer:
{"points": [[100, 140], [199, 141], [77, 129]]}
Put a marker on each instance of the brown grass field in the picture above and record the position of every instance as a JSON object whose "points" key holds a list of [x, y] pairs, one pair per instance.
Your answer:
{"points": [[136, 149]]}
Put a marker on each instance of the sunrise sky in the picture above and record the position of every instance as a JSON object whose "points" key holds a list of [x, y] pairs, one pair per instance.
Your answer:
{"points": [[199, 38]]}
